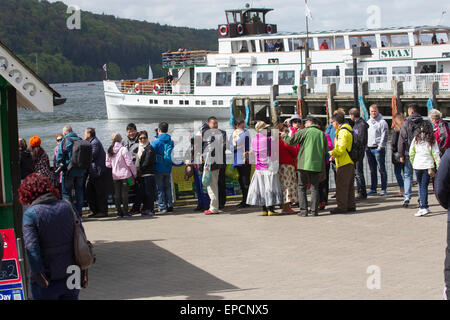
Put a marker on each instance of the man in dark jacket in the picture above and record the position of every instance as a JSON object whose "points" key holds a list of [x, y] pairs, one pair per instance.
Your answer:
{"points": [[133, 146], [215, 139], [409, 129], [96, 186], [442, 191], [360, 129]]}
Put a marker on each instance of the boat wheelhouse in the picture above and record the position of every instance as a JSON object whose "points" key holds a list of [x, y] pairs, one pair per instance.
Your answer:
{"points": [[253, 56]]}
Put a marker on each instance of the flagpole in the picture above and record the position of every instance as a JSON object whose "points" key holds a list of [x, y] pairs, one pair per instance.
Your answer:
{"points": [[308, 71]]}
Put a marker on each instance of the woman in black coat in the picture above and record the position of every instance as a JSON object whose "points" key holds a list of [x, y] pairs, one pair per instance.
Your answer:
{"points": [[145, 165]]}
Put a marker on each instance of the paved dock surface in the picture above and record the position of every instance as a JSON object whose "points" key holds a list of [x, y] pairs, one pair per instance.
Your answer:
{"points": [[240, 254]]}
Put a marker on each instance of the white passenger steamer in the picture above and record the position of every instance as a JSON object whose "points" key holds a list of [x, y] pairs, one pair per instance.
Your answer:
{"points": [[253, 56]]}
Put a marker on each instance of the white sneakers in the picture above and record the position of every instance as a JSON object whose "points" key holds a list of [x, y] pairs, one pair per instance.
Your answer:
{"points": [[422, 212]]}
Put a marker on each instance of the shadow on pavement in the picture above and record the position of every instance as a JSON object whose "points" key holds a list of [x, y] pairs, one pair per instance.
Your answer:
{"points": [[142, 269]]}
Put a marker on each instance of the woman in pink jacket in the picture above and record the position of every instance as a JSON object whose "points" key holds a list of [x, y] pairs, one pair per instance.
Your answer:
{"points": [[119, 159]]}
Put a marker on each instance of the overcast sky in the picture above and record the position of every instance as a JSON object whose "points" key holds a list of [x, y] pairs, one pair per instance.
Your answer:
{"points": [[288, 14]]}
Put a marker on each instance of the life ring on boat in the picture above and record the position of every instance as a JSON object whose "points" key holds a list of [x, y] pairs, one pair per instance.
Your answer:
{"points": [[269, 29], [157, 89], [240, 29], [137, 88], [223, 30]]}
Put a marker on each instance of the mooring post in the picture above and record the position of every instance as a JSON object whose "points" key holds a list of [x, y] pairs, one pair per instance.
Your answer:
{"points": [[274, 90], [330, 100], [397, 87], [434, 91], [303, 92]]}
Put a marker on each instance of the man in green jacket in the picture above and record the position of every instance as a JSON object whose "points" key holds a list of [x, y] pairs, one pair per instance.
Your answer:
{"points": [[313, 149]]}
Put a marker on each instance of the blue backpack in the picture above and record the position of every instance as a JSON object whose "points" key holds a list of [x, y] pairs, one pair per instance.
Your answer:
{"points": [[166, 157]]}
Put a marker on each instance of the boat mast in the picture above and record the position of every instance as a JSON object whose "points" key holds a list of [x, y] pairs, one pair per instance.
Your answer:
{"points": [[307, 69]]}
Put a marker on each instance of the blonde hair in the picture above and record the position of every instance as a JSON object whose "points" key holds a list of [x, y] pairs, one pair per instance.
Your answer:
{"points": [[340, 110], [116, 137]]}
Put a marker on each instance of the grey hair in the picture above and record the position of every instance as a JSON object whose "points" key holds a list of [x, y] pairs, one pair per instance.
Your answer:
{"points": [[67, 129], [435, 114]]}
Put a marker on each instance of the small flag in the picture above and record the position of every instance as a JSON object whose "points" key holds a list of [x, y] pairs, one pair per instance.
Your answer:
{"points": [[104, 67], [303, 75], [308, 12]]}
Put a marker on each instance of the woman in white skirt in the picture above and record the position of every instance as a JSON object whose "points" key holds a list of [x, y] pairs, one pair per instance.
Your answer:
{"points": [[265, 188]]}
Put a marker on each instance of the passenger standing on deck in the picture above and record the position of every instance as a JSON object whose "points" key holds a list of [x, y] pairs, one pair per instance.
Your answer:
{"points": [[288, 171], [407, 133], [310, 162], [441, 131], [265, 187], [378, 134], [239, 145], [163, 146], [41, 163], [345, 173], [132, 145], [324, 45], [399, 167], [96, 185], [442, 191], [424, 156], [360, 130], [123, 168], [145, 166]]}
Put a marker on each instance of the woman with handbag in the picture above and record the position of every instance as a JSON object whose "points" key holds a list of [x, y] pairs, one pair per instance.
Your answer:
{"points": [[424, 156], [399, 167], [123, 171], [265, 187]]}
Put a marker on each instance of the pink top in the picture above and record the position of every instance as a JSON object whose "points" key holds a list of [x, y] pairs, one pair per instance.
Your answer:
{"points": [[330, 146], [121, 163], [259, 147]]}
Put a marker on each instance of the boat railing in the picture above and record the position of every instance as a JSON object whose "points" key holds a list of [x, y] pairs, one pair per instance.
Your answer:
{"points": [[152, 87], [418, 83], [180, 59]]}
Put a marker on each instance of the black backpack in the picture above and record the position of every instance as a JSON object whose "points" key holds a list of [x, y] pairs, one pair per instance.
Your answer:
{"points": [[81, 154], [357, 149], [412, 129]]}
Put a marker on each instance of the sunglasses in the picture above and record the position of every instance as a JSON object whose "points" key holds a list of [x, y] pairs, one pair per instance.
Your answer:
{"points": [[58, 140]]}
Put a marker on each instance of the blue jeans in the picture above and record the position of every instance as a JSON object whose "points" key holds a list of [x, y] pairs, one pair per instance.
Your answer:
{"points": [[423, 179], [68, 183], [409, 172], [398, 171], [377, 160], [164, 189]]}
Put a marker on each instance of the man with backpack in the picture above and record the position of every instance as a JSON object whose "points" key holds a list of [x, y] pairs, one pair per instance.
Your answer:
{"points": [[407, 133], [360, 131], [441, 131], [377, 138], [75, 157], [163, 146]]}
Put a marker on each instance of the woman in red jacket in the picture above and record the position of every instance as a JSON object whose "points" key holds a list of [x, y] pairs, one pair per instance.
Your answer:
{"points": [[288, 172]]}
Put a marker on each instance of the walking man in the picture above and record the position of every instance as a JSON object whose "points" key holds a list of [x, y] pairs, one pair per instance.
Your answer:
{"points": [[96, 186], [442, 190], [377, 138], [163, 146], [360, 130], [345, 167], [407, 133], [133, 147], [313, 148]]}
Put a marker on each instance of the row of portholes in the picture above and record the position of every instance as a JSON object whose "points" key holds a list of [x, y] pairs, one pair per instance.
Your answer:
{"points": [[16, 76]]}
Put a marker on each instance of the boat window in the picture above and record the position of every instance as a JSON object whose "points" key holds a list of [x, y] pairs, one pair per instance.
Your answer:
{"points": [[286, 78], [220, 102], [214, 102], [165, 101], [243, 79], [330, 73], [197, 102], [181, 102], [401, 70], [230, 17], [354, 41], [384, 41], [370, 39], [223, 79], [294, 44], [170, 101], [265, 78], [150, 101], [314, 73], [400, 40], [325, 43], [203, 79], [155, 101], [376, 71], [186, 102], [339, 42], [239, 46], [349, 72], [203, 103]]}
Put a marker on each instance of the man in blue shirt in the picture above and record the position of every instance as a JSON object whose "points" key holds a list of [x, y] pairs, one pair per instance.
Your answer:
{"points": [[163, 146]]}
